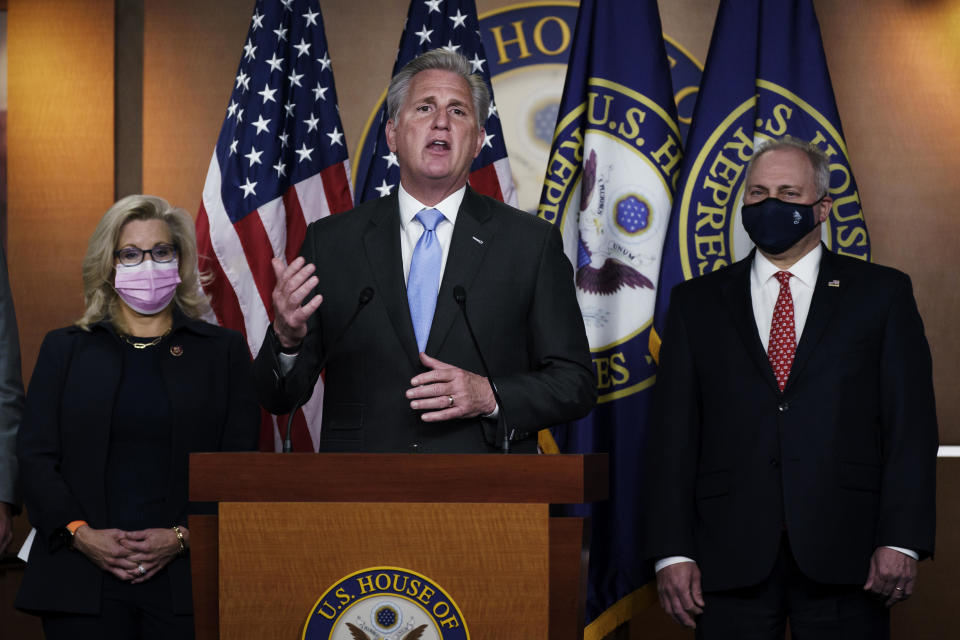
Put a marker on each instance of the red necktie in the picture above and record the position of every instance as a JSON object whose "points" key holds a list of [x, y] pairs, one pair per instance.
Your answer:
{"points": [[783, 332]]}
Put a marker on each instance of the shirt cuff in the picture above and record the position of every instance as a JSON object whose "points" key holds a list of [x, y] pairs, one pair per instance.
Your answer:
{"points": [[493, 414], [908, 552], [666, 562], [286, 362]]}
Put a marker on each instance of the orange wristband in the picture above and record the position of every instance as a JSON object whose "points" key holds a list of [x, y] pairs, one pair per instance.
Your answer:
{"points": [[76, 524]]}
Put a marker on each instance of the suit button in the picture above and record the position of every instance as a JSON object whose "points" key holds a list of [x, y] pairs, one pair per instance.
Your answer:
{"points": [[774, 463], [415, 447], [783, 406]]}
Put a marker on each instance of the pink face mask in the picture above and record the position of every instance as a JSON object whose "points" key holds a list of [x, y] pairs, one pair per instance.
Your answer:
{"points": [[147, 287]]}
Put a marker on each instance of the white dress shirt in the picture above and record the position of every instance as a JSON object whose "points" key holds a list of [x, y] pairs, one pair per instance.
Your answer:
{"points": [[411, 229], [764, 291]]}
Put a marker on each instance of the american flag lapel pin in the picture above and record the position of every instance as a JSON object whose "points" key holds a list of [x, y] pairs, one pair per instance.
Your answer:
{"points": [[834, 283]]}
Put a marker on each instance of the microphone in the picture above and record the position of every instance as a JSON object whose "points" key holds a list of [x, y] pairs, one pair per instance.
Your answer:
{"points": [[460, 295], [365, 296]]}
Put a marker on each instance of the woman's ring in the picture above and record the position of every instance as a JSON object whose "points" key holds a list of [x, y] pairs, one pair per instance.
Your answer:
{"points": [[141, 570]]}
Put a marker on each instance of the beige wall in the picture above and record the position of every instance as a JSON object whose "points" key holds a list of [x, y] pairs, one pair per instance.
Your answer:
{"points": [[60, 150]]}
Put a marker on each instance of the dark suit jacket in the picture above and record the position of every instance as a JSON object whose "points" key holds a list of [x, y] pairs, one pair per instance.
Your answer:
{"points": [[844, 458], [11, 392], [521, 302], [64, 442]]}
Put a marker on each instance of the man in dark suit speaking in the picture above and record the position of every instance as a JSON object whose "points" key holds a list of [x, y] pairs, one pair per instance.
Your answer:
{"points": [[794, 439], [437, 259]]}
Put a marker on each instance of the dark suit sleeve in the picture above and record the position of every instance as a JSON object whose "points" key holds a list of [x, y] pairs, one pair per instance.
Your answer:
{"points": [[673, 444], [908, 430], [11, 391], [561, 384], [242, 430], [49, 501]]}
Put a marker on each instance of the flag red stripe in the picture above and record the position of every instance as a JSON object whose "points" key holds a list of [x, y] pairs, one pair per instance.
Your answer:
{"points": [[485, 181], [223, 299], [258, 252], [296, 226], [336, 187], [267, 441]]}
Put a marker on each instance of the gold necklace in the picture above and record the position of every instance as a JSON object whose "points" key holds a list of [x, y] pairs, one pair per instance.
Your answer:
{"points": [[144, 345]]}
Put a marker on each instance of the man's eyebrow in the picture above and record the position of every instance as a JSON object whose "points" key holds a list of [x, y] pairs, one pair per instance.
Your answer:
{"points": [[778, 188], [454, 102]]}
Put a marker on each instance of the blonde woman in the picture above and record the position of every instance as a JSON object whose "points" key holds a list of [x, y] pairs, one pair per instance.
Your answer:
{"points": [[115, 405]]}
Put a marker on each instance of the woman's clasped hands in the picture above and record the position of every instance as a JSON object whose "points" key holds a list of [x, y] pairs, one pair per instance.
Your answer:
{"points": [[131, 556]]}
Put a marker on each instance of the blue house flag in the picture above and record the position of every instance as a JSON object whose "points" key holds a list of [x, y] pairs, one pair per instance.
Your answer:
{"points": [[609, 186]]}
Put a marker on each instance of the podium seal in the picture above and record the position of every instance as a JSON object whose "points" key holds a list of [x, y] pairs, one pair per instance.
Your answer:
{"points": [[385, 603]]}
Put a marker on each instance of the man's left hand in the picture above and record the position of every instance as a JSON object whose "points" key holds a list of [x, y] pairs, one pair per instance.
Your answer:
{"points": [[432, 391], [893, 575]]}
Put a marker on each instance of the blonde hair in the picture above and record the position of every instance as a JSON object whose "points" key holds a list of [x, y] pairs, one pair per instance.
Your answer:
{"points": [[100, 297]]}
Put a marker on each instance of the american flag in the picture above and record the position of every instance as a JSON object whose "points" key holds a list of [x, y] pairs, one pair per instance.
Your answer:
{"points": [[451, 25], [280, 163]]}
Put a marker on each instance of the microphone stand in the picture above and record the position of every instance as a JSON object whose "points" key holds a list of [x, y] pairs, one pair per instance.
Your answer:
{"points": [[365, 296]]}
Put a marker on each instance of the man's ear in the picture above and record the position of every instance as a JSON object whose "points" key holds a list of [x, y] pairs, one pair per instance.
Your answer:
{"points": [[391, 131], [824, 209], [481, 136]]}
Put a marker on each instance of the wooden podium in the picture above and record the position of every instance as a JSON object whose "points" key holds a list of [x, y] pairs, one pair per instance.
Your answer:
{"points": [[289, 526]]}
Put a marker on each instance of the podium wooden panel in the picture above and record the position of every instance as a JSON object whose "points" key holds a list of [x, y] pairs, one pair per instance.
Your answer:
{"points": [[291, 525]]}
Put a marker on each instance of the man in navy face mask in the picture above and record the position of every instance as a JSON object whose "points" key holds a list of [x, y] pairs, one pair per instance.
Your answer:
{"points": [[779, 211], [794, 436]]}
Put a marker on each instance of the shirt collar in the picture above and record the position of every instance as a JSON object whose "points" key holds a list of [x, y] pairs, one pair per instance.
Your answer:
{"points": [[410, 206], [806, 269]]}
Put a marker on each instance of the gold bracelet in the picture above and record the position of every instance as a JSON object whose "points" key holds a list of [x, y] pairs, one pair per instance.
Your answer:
{"points": [[183, 547]]}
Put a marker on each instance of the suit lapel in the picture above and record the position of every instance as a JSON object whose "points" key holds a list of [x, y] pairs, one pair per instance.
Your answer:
{"points": [[736, 294], [381, 240], [822, 308], [472, 233]]}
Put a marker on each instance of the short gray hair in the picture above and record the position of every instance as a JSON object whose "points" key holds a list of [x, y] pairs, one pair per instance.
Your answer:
{"points": [[440, 60], [818, 159]]}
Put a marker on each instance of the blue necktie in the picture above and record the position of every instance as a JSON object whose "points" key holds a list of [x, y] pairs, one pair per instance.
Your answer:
{"points": [[424, 280]]}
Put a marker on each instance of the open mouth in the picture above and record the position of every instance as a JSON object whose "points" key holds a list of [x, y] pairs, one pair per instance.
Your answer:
{"points": [[439, 145]]}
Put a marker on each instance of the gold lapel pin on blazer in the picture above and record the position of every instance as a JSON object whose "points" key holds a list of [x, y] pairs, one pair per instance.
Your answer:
{"points": [[176, 350]]}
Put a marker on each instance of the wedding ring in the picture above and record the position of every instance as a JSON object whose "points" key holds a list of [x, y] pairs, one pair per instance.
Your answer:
{"points": [[141, 570], [450, 398], [899, 588]]}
